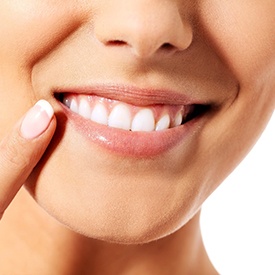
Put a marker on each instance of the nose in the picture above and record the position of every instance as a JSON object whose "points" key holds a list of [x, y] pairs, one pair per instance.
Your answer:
{"points": [[147, 27]]}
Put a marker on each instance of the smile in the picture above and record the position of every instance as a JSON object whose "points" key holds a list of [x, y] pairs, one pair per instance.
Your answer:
{"points": [[117, 114], [131, 124]]}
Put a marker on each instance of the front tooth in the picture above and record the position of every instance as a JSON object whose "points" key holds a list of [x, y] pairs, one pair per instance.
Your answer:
{"points": [[163, 123], [178, 119], [143, 121], [120, 117], [74, 106], [84, 108], [99, 114]]}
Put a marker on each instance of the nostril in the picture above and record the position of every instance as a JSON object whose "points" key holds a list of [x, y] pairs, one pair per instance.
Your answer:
{"points": [[116, 43], [167, 46]]}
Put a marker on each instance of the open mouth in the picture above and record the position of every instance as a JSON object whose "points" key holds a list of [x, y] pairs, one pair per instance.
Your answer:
{"points": [[130, 117], [131, 122]]}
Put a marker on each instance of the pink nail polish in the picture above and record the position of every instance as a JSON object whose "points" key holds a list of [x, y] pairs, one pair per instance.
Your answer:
{"points": [[37, 119]]}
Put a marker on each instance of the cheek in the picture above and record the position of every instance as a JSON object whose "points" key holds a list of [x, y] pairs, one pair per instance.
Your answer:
{"points": [[16, 94], [30, 30], [244, 35], [33, 28]]}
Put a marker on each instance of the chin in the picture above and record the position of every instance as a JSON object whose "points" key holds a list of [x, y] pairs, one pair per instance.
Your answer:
{"points": [[117, 212]]}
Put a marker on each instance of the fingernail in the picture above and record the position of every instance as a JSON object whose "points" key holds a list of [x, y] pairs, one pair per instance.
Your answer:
{"points": [[37, 119]]}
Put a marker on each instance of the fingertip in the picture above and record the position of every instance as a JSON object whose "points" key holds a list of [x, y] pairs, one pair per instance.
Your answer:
{"points": [[46, 106], [37, 120]]}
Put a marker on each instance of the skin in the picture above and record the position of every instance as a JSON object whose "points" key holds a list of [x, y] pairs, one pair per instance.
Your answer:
{"points": [[220, 51]]}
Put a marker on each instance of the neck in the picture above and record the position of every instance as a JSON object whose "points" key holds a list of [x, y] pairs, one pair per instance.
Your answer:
{"points": [[56, 249]]}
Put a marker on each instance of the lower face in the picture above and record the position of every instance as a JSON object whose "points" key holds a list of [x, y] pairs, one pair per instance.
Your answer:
{"points": [[203, 108]]}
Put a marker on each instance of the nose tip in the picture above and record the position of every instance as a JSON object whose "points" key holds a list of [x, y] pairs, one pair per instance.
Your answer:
{"points": [[146, 31]]}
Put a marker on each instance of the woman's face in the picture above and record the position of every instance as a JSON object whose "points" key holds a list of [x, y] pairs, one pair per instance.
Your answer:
{"points": [[191, 84]]}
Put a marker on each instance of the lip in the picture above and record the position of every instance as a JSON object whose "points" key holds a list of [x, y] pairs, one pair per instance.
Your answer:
{"points": [[134, 95], [128, 143]]}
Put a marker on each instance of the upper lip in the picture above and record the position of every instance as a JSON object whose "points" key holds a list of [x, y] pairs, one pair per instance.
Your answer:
{"points": [[133, 95]]}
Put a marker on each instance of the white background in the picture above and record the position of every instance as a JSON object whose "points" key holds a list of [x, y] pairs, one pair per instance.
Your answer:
{"points": [[238, 220]]}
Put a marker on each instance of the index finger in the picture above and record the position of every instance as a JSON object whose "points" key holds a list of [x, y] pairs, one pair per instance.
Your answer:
{"points": [[22, 148]]}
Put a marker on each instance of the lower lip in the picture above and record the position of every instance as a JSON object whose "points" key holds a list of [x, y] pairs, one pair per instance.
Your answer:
{"points": [[127, 143]]}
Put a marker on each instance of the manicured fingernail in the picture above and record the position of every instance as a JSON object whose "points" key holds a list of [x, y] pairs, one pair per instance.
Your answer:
{"points": [[37, 119]]}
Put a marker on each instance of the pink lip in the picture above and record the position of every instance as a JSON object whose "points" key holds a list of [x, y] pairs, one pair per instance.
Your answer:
{"points": [[127, 143], [134, 95]]}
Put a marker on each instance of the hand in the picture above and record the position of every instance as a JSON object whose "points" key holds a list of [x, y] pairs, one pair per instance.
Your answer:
{"points": [[22, 148]]}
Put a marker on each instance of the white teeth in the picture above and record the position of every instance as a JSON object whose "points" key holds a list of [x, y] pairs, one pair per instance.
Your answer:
{"points": [[120, 117], [99, 114], [143, 121], [74, 106], [67, 102], [178, 119], [84, 108], [163, 123]]}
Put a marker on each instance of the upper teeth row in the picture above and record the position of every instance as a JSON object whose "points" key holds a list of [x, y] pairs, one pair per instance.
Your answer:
{"points": [[124, 116]]}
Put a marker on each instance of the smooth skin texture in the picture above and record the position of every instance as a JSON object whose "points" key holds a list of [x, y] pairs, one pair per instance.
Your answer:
{"points": [[217, 51]]}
